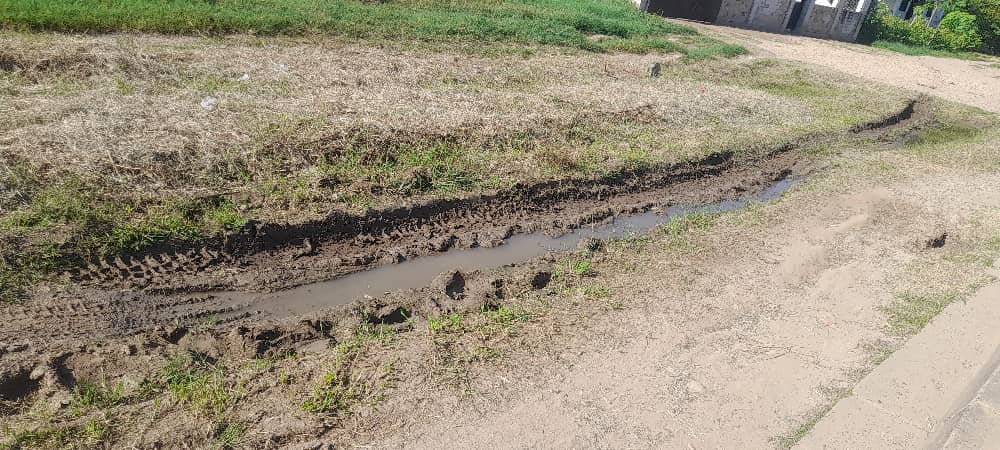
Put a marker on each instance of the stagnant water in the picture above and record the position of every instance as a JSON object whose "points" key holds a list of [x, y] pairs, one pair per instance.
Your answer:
{"points": [[419, 272]]}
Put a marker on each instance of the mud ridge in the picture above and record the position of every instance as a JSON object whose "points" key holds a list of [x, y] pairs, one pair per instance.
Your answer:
{"points": [[342, 242], [202, 295]]}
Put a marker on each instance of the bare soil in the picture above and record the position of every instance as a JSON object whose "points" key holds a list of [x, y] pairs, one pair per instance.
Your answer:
{"points": [[975, 83], [734, 329]]}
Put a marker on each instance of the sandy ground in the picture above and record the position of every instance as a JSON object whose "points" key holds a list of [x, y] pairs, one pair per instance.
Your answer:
{"points": [[975, 83], [748, 349], [778, 324]]}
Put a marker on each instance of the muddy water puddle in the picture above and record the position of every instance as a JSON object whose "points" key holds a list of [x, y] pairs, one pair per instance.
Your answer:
{"points": [[419, 272]]}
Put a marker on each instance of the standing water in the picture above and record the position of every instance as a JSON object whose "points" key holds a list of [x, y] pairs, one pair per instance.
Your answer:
{"points": [[419, 272]]}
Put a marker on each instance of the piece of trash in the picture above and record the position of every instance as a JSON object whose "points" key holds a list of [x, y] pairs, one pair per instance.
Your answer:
{"points": [[244, 77], [208, 103], [280, 68]]}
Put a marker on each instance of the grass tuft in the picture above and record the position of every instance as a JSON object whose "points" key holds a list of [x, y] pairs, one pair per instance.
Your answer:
{"points": [[194, 381], [229, 435], [344, 385], [451, 323]]}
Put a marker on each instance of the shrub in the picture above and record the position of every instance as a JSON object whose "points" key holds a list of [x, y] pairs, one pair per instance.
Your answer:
{"points": [[987, 14], [960, 32]]}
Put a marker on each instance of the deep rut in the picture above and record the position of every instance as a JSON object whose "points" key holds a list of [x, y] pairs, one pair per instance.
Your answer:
{"points": [[123, 297]]}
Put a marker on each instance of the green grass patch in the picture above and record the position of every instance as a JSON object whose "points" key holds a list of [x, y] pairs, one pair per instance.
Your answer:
{"points": [[810, 419], [714, 51], [909, 313], [946, 133], [92, 395], [344, 385], [559, 22], [677, 232], [44, 437], [53, 226], [91, 434], [200, 384], [229, 435], [918, 50], [450, 323], [408, 169], [501, 321]]}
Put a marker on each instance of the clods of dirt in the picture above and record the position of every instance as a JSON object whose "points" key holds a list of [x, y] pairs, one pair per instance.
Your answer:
{"points": [[541, 279], [937, 241]]}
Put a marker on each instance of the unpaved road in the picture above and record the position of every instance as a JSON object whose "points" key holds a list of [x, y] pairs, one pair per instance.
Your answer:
{"points": [[767, 332], [975, 83], [764, 333]]}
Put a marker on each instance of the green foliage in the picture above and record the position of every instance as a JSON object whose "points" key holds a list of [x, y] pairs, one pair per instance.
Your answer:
{"points": [[24, 267], [987, 14], [968, 25], [226, 216], [502, 320], [959, 32], [946, 133], [89, 225], [43, 437], [342, 387], [560, 22]]}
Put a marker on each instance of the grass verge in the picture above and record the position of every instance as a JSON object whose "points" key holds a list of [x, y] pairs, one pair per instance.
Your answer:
{"points": [[560, 22], [917, 50]]}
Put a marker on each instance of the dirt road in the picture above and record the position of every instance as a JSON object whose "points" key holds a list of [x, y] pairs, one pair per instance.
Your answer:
{"points": [[748, 343], [975, 83]]}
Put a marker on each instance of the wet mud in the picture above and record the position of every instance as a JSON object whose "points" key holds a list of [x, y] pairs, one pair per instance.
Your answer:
{"points": [[274, 273]]}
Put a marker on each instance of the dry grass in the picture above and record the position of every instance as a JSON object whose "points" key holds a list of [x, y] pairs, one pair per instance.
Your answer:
{"points": [[168, 130], [124, 111]]}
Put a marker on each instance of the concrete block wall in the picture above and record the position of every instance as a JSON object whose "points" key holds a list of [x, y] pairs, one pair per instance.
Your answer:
{"points": [[771, 15], [734, 13], [819, 22], [842, 22], [828, 19]]}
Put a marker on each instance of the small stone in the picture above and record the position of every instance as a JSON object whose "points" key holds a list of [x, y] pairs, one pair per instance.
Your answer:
{"points": [[60, 400], [38, 373], [129, 350], [208, 103]]}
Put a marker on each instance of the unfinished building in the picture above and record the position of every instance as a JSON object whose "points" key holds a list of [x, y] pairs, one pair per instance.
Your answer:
{"points": [[829, 19]]}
